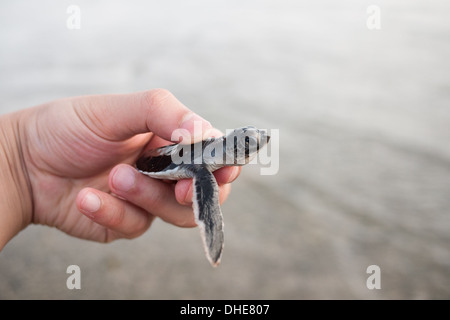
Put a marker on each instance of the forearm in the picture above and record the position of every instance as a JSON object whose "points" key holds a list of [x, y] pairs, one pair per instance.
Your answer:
{"points": [[15, 191]]}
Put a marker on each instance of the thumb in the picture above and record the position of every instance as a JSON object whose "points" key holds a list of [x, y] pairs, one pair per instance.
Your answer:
{"points": [[120, 116]]}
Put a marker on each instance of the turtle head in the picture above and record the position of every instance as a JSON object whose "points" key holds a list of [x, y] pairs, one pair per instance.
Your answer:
{"points": [[243, 144]]}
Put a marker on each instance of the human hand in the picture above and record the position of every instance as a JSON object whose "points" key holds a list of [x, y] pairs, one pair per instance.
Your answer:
{"points": [[79, 153]]}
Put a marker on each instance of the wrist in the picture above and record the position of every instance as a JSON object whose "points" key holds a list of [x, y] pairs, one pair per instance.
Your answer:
{"points": [[15, 189]]}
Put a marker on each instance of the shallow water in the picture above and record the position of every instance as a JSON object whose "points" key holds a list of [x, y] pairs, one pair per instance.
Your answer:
{"points": [[364, 127]]}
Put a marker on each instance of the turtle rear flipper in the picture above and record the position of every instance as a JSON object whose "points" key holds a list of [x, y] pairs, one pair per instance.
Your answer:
{"points": [[208, 215]]}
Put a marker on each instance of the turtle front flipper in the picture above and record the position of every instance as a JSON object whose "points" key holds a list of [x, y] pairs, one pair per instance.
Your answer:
{"points": [[208, 215]]}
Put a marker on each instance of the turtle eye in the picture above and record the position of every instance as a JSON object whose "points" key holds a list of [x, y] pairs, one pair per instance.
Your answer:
{"points": [[247, 146]]}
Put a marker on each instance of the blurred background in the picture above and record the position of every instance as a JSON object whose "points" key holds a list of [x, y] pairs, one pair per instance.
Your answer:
{"points": [[364, 123]]}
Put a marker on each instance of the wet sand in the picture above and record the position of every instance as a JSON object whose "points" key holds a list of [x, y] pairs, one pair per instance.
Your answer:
{"points": [[364, 125]]}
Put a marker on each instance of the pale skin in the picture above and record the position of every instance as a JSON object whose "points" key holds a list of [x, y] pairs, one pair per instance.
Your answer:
{"points": [[69, 164]]}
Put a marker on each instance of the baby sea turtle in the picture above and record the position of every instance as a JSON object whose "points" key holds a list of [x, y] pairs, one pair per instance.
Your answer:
{"points": [[198, 161]]}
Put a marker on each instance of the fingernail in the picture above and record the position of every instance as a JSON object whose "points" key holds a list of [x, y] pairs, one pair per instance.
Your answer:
{"points": [[198, 127], [124, 179], [91, 202]]}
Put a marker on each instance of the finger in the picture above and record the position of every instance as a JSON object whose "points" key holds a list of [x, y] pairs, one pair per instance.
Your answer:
{"points": [[121, 218], [152, 195], [225, 191], [184, 192], [227, 174], [121, 116], [224, 176]]}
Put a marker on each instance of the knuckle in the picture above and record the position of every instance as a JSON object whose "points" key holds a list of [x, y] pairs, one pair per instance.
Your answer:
{"points": [[110, 236], [150, 194], [156, 97], [116, 218], [139, 227]]}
